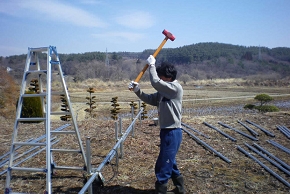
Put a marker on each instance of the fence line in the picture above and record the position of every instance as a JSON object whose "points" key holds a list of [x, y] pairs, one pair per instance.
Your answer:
{"points": [[111, 154]]}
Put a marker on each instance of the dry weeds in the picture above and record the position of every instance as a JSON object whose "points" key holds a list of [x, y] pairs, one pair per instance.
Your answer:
{"points": [[204, 172]]}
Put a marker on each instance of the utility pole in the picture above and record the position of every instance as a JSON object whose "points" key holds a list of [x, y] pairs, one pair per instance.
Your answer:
{"points": [[107, 59], [259, 53]]}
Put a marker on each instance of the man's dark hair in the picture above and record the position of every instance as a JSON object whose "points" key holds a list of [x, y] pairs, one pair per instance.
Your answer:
{"points": [[167, 70]]}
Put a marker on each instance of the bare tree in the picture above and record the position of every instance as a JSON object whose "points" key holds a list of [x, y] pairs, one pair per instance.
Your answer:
{"points": [[184, 78]]}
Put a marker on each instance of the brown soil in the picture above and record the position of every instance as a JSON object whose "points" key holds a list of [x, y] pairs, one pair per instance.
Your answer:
{"points": [[204, 172]]}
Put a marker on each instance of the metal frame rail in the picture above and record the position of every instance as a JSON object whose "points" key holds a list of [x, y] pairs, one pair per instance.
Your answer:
{"points": [[272, 156], [221, 132], [264, 166], [5, 161], [30, 140], [30, 156], [200, 133], [284, 130], [7, 153], [252, 131], [279, 146], [30, 150], [97, 171], [261, 128], [238, 131], [269, 159], [207, 146], [288, 130]]}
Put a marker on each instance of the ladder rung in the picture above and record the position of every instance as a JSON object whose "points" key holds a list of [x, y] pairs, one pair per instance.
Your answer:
{"points": [[29, 169], [29, 144], [34, 95], [41, 94], [57, 93], [63, 132], [60, 113], [62, 127], [37, 71], [41, 49], [65, 150], [54, 62], [32, 119], [68, 168]]}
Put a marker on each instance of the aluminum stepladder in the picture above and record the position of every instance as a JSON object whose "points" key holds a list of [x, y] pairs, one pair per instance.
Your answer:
{"points": [[44, 75]]}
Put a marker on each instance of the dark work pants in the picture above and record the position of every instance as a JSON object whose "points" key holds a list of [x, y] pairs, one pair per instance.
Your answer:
{"points": [[166, 166]]}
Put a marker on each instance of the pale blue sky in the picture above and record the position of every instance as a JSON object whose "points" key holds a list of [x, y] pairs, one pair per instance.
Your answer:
{"points": [[135, 25]]}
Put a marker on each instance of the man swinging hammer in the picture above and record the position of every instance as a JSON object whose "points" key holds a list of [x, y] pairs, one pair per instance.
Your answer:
{"points": [[168, 100]]}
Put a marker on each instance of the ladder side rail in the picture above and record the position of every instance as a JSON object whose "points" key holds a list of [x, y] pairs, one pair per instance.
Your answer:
{"points": [[47, 123], [40, 84], [70, 108], [18, 114], [46, 101]]}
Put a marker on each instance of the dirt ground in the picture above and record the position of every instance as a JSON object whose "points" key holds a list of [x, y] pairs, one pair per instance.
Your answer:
{"points": [[204, 171]]}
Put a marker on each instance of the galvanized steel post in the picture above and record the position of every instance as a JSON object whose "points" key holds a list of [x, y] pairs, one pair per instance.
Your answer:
{"points": [[116, 131], [89, 162], [121, 144], [132, 113]]}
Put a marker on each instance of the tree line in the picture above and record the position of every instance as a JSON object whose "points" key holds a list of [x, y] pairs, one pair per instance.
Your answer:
{"points": [[197, 61]]}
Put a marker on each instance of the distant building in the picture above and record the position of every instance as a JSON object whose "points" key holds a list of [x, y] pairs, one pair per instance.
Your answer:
{"points": [[8, 69]]}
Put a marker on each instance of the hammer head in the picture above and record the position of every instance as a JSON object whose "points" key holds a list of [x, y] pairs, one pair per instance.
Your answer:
{"points": [[168, 35]]}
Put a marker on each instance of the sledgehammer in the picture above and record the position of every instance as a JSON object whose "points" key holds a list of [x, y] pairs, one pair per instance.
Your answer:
{"points": [[168, 35]]}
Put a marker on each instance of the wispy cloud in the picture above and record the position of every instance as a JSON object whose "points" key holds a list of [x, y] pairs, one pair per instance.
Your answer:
{"points": [[132, 37], [53, 10], [136, 20]]}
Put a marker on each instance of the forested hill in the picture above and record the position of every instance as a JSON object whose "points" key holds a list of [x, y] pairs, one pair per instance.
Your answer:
{"points": [[196, 61], [208, 51]]}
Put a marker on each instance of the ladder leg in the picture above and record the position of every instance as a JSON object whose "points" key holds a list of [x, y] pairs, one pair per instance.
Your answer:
{"points": [[45, 94], [47, 126], [40, 85], [72, 114], [15, 128]]}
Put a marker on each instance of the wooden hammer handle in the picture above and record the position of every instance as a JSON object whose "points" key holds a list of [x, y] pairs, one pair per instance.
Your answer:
{"points": [[154, 55]]}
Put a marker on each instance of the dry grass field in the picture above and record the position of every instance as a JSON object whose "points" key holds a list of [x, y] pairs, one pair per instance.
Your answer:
{"points": [[203, 170]]}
